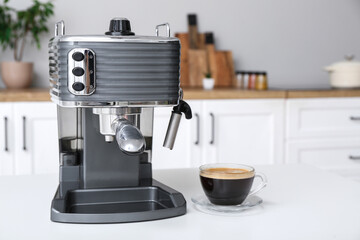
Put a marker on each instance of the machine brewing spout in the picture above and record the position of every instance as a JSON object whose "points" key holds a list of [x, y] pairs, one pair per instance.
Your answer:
{"points": [[129, 138], [174, 123]]}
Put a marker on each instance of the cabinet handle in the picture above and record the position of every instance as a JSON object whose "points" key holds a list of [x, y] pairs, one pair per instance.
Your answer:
{"points": [[6, 134], [352, 118], [212, 140], [197, 129], [24, 133], [351, 157]]}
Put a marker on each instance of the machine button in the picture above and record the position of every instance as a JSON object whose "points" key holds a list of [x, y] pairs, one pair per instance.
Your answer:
{"points": [[78, 86], [78, 71], [78, 56]]}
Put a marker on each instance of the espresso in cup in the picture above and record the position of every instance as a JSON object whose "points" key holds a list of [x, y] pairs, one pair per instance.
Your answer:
{"points": [[229, 184]]}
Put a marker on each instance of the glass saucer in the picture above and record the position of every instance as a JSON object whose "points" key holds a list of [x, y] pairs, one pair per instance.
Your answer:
{"points": [[202, 203]]}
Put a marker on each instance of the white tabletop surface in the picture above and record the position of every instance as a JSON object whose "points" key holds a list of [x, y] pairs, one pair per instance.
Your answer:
{"points": [[300, 202]]}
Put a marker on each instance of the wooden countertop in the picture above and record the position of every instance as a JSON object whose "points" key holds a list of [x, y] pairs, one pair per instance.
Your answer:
{"points": [[233, 93], [323, 93], [24, 95], [41, 94]]}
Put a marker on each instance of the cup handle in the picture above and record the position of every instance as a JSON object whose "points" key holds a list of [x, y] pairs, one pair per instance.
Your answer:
{"points": [[261, 185]]}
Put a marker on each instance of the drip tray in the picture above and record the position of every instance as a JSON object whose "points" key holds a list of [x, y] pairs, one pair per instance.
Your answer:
{"points": [[121, 207], [118, 205], [122, 200]]}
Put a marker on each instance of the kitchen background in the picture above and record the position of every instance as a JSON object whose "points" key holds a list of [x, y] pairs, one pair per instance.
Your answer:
{"points": [[285, 129], [291, 40]]}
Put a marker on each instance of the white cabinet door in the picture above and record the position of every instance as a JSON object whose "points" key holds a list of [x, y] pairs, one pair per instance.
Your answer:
{"points": [[243, 131], [331, 117], [187, 148], [6, 139], [36, 145]]}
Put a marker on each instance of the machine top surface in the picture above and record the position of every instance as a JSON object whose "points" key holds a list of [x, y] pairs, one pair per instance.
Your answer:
{"points": [[106, 38], [119, 31]]}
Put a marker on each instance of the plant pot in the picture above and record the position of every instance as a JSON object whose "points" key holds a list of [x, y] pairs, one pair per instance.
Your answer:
{"points": [[208, 83], [16, 75]]}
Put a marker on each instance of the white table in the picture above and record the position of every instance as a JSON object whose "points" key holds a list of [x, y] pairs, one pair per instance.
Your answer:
{"points": [[300, 202]]}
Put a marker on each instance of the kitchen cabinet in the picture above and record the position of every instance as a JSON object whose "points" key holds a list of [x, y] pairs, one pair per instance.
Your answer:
{"points": [[32, 138], [324, 133], [242, 131], [329, 117]]}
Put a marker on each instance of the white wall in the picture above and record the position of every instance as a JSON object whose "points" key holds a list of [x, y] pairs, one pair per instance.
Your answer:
{"points": [[291, 39]]}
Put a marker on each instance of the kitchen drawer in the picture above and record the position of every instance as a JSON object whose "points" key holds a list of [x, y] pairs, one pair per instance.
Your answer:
{"points": [[325, 153], [322, 117]]}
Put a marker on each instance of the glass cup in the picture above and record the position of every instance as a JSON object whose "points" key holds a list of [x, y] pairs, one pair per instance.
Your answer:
{"points": [[229, 183]]}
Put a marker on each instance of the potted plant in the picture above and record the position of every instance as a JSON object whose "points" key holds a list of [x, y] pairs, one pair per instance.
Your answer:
{"points": [[208, 81], [15, 27]]}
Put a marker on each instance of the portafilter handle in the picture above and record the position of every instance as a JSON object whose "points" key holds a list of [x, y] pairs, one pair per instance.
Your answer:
{"points": [[129, 138], [174, 123]]}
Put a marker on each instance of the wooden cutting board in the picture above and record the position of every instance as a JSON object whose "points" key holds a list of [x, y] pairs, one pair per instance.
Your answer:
{"points": [[211, 58], [184, 58], [224, 73], [201, 41], [197, 67]]}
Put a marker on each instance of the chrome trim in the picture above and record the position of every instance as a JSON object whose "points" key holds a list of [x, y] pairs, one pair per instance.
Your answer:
{"points": [[6, 147], [167, 25], [117, 111], [107, 117], [197, 129], [24, 133], [62, 28], [129, 138], [212, 140], [108, 38], [56, 100], [88, 65], [172, 130], [109, 138]]}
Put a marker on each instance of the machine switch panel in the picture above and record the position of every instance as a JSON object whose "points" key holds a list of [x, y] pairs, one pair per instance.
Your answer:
{"points": [[81, 71]]}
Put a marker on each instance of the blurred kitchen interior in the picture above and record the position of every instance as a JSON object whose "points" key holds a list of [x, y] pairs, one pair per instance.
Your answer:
{"points": [[291, 40]]}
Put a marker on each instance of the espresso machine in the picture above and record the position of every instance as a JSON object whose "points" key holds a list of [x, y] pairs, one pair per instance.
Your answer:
{"points": [[106, 88]]}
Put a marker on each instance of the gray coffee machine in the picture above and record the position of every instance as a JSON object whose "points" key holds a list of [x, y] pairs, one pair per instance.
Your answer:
{"points": [[106, 88]]}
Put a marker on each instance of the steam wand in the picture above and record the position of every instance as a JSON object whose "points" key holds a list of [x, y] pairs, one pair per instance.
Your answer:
{"points": [[174, 122]]}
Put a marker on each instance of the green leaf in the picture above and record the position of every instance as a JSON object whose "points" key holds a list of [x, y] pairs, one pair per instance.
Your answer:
{"points": [[16, 24]]}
